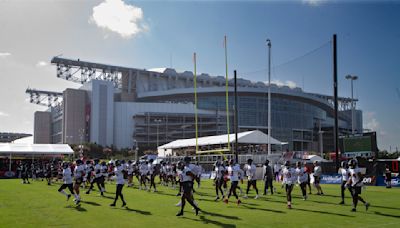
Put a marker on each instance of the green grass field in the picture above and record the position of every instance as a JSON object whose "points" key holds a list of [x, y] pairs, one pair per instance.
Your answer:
{"points": [[39, 205]]}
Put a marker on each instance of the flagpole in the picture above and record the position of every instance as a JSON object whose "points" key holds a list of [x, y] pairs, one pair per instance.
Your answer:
{"points": [[226, 92], [269, 96], [195, 100]]}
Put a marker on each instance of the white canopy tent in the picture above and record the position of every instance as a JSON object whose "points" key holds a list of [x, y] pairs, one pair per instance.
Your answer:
{"points": [[15, 149], [248, 137]]}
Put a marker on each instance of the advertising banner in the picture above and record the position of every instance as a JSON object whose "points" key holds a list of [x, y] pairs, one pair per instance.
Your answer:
{"points": [[381, 181], [331, 179]]}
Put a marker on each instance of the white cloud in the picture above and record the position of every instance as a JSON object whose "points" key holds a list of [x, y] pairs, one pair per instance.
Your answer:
{"points": [[119, 17], [41, 64], [3, 114], [313, 2], [4, 54], [290, 84], [371, 123]]}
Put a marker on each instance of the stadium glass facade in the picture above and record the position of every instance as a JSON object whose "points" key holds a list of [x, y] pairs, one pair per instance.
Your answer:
{"points": [[146, 108]]}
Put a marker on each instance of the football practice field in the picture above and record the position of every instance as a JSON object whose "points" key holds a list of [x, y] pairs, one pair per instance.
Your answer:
{"points": [[39, 205]]}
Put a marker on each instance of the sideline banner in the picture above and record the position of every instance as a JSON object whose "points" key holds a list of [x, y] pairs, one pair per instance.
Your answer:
{"points": [[331, 179], [381, 181], [337, 179]]}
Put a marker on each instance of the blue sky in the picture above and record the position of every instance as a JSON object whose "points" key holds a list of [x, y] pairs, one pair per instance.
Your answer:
{"points": [[368, 45]]}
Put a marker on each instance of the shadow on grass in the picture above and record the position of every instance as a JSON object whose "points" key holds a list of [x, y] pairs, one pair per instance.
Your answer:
{"points": [[262, 209], [107, 197], [205, 220], [167, 194], [387, 215], [220, 215], [138, 211], [134, 210], [78, 208], [219, 201], [385, 207], [91, 203], [322, 212]]}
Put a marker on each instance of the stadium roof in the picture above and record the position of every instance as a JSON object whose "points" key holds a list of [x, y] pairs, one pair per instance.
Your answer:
{"points": [[34, 149], [248, 137], [10, 137]]}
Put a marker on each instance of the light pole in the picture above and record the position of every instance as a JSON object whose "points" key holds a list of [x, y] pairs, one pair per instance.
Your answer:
{"points": [[269, 96], [81, 135], [352, 78], [157, 121]]}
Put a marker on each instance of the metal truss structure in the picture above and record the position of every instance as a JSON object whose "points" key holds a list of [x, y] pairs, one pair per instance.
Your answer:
{"points": [[344, 103], [81, 71], [46, 98], [7, 137]]}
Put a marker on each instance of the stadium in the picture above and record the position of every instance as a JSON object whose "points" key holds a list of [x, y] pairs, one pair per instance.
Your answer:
{"points": [[130, 107]]}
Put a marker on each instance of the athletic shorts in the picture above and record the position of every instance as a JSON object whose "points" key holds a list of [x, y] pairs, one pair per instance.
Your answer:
{"points": [[79, 180], [187, 186], [317, 179], [356, 190]]}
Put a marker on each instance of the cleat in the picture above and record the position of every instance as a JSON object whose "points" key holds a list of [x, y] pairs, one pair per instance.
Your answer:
{"points": [[226, 201], [367, 206], [256, 197], [353, 210], [180, 213], [289, 206], [197, 211], [87, 192], [216, 198], [239, 202], [68, 196], [341, 202], [123, 205], [112, 205]]}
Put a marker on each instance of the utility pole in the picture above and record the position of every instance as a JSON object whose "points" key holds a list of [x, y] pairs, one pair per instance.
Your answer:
{"points": [[335, 97], [269, 96], [236, 118]]}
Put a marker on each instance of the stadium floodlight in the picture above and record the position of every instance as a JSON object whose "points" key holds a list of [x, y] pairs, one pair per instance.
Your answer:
{"points": [[352, 78]]}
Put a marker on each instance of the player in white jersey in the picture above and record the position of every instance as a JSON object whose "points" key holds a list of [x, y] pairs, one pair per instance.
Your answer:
{"points": [[219, 179], [235, 173], [250, 170], [119, 172], [356, 182], [152, 174], [97, 177], [302, 179], [143, 170], [130, 173], [67, 180], [186, 177], [317, 177], [79, 173], [288, 179], [88, 171], [199, 172], [344, 172]]}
